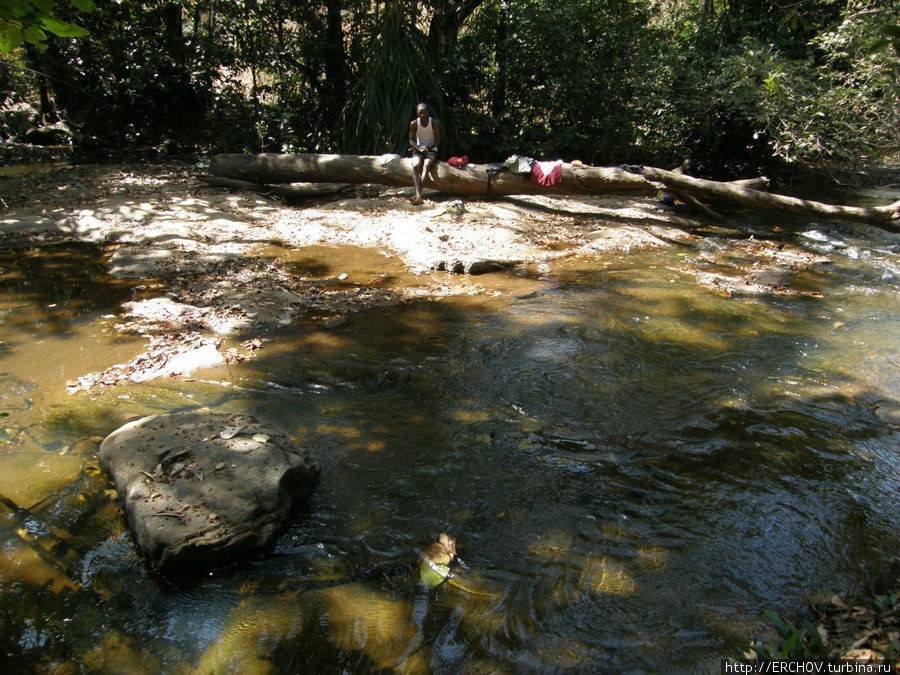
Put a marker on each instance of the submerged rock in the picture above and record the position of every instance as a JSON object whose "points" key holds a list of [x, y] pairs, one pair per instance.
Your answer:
{"points": [[199, 489], [166, 356]]}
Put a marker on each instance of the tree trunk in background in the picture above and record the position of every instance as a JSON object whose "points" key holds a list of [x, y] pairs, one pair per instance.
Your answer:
{"points": [[443, 30], [498, 96], [336, 71], [48, 111], [443, 35]]}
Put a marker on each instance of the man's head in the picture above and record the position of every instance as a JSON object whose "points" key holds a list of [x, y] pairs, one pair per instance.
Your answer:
{"points": [[422, 111]]}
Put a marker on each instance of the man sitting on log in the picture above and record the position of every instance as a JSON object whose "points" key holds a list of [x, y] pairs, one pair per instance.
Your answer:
{"points": [[424, 137]]}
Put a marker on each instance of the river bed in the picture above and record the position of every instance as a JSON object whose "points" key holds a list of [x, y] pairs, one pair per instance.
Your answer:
{"points": [[637, 451]]}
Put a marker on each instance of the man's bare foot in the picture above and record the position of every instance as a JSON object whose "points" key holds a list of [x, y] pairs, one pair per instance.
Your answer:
{"points": [[416, 201]]}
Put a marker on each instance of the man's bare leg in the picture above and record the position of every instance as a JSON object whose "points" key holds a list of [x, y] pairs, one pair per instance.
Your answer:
{"points": [[417, 180], [429, 162]]}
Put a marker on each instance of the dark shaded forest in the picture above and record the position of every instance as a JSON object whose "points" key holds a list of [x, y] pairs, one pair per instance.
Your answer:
{"points": [[741, 86]]}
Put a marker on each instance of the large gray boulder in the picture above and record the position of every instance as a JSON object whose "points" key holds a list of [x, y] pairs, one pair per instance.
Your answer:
{"points": [[200, 489]]}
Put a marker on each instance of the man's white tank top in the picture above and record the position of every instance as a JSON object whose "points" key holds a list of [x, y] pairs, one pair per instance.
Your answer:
{"points": [[425, 135]]}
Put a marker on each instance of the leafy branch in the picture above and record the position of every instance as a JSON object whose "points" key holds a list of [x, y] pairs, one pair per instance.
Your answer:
{"points": [[30, 21]]}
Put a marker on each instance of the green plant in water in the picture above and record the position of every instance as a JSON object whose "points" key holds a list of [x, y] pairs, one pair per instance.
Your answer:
{"points": [[872, 628], [434, 568], [888, 610], [795, 643]]}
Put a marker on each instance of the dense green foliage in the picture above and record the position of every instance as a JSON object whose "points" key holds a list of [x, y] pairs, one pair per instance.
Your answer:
{"points": [[30, 21], [733, 82], [396, 74], [563, 78]]}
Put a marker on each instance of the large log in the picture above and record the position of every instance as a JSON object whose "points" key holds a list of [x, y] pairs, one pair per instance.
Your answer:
{"points": [[291, 194], [577, 178], [396, 170], [887, 216]]}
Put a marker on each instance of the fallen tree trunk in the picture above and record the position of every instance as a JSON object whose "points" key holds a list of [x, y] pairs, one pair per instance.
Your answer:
{"points": [[576, 178], [291, 193], [887, 216], [395, 170]]}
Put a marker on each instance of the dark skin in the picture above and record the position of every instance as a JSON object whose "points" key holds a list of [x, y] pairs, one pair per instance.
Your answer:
{"points": [[422, 114], [423, 156]]}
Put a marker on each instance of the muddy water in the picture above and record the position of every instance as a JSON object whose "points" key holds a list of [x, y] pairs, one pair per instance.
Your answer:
{"points": [[634, 466]]}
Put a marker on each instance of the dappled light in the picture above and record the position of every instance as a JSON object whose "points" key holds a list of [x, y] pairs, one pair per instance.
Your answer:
{"points": [[597, 427], [31, 478], [20, 561], [252, 634], [614, 389], [608, 577], [119, 652], [369, 621]]}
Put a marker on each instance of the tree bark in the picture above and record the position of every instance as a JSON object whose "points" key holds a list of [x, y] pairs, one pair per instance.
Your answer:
{"points": [[335, 67], [446, 21], [887, 216], [396, 170], [292, 194], [476, 180]]}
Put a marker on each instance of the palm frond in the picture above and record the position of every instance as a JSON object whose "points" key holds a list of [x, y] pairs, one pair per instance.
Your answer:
{"points": [[398, 75]]}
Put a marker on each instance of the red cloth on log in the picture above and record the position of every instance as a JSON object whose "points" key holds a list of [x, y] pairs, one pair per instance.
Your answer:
{"points": [[547, 173]]}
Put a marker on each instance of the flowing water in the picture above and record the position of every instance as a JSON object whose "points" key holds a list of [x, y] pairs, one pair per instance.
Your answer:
{"points": [[633, 465]]}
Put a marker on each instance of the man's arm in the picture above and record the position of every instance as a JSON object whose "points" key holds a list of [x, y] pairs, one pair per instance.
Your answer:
{"points": [[412, 135], [437, 133]]}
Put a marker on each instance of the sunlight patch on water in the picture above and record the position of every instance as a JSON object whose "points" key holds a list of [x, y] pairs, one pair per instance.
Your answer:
{"points": [[22, 563], [366, 620], [633, 464], [607, 576]]}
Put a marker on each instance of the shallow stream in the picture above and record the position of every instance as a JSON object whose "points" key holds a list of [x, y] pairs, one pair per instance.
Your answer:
{"points": [[634, 466]]}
